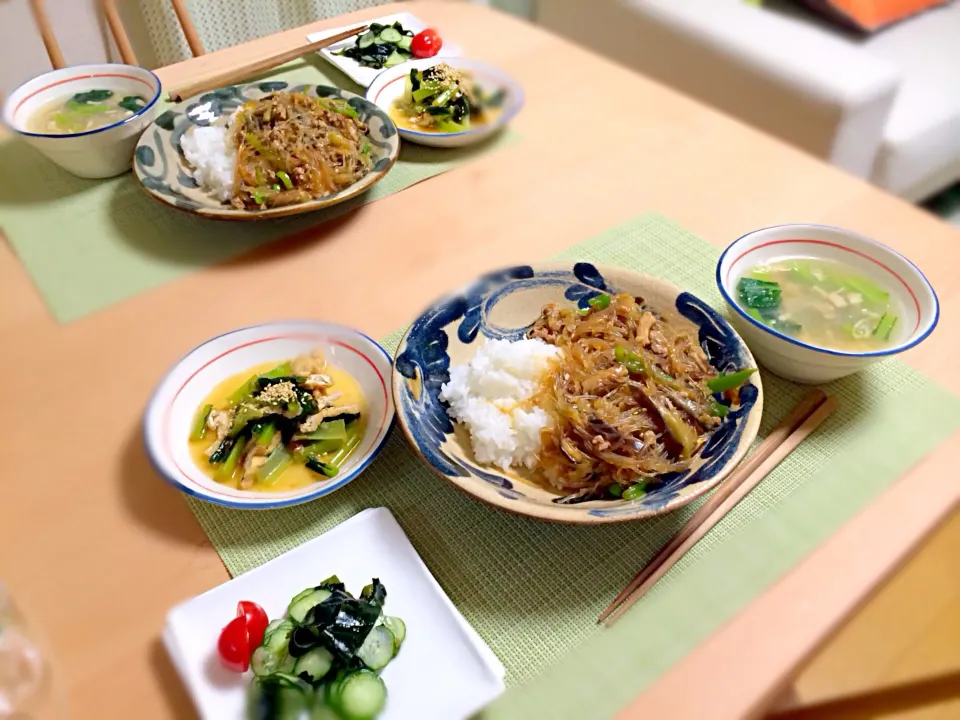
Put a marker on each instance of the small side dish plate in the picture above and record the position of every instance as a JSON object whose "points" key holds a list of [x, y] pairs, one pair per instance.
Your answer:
{"points": [[389, 87], [503, 305], [361, 74], [165, 174], [170, 412], [444, 669]]}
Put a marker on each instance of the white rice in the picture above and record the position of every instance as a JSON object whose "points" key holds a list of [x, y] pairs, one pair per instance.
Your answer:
{"points": [[485, 396], [213, 157]]}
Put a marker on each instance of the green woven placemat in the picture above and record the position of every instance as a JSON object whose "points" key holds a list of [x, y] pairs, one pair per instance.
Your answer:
{"points": [[90, 243], [533, 590]]}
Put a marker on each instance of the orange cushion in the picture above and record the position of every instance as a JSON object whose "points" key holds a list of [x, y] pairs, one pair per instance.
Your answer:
{"points": [[870, 15]]}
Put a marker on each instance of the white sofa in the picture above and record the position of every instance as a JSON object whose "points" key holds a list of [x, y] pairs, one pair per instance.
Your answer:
{"points": [[885, 107]]}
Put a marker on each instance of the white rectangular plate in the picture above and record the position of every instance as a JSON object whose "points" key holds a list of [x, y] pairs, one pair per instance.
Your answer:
{"points": [[444, 669], [364, 75]]}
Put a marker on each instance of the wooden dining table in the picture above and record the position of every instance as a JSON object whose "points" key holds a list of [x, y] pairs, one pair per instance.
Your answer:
{"points": [[97, 548]]}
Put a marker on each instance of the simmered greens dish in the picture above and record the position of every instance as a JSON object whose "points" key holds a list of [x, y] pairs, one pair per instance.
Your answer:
{"points": [[323, 660], [83, 112], [381, 46], [820, 302], [281, 427], [443, 99]]}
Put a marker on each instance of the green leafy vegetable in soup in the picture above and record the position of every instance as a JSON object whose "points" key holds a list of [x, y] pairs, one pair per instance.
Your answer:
{"points": [[821, 302], [85, 111]]}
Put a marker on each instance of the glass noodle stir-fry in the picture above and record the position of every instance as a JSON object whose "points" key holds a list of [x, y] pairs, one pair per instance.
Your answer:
{"points": [[634, 396], [292, 148]]}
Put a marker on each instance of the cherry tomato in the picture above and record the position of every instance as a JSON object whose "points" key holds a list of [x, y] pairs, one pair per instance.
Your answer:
{"points": [[234, 645], [256, 622], [426, 43]]}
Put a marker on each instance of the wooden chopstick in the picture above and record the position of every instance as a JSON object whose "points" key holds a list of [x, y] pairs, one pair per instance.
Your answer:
{"points": [[804, 418], [235, 75]]}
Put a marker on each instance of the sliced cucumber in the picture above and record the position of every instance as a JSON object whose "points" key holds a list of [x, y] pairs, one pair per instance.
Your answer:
{"points": [[398, 628], [274, 624], [362, 696], [366, 40], [315, 665], [302, 594], [277, 697], [299, 608], [405, 43], [265, 662], [395, 59], [331, 691], [391, 35], [378, 649], [322, 711], [279, 637], [379, 40]]}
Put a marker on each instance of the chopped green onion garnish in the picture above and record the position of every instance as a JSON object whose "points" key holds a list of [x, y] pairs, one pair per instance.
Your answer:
{"points": [[599, 302], [885, 326], [729, 381], [718, 409], [635, 491]]}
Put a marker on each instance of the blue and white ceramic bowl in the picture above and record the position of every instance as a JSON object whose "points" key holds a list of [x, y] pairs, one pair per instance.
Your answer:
{"points": [[389, 86], [504, 304], [162, 169], [170, 413]]}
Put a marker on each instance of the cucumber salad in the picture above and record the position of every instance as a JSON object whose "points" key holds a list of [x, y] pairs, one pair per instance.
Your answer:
{"points": [[383, 46], [320, 662]]}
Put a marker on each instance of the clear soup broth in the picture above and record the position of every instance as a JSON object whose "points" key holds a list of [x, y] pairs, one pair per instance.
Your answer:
{"points": [[821, 302], [82, 112]]}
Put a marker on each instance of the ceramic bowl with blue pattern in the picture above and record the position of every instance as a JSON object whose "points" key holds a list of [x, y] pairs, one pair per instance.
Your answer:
{"points": [[162, 169], [503, 305]]}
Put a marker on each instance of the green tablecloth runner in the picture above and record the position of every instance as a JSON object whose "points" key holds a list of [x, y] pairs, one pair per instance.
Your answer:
{"points": [[90, 243], [533, 590]]}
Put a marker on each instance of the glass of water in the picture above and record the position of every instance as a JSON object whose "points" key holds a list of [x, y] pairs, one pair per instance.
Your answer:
{"points": [[26, 683]]}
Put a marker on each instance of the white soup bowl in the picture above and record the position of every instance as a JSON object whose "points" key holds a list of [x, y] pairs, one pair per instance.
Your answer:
{"points": [[800, 361], [100, 153]]}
